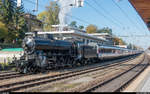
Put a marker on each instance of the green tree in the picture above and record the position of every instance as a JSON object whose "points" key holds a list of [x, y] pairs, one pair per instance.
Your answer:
{"points": [[43, 16], [119, 41], [105, 30], [50, 16], [20, 23], [91, 29], [81, 27], [7, 11], [73, 24], [3, 32], [131, 46], [12, 17], [53, 13]]}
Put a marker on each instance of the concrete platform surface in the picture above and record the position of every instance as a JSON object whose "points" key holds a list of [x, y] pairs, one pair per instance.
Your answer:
{"points": [[146, 86], [142, 82]]}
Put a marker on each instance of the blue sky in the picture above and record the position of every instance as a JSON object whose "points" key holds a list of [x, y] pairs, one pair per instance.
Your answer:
{"points": [[120, 24]]}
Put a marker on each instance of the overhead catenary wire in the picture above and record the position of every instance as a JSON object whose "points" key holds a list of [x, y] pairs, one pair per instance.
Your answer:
{"points": [[133, 35], [79, 19], [31, 2], [126, 15], [100, 6], [101, 14], [107, 12], [131, 21]]}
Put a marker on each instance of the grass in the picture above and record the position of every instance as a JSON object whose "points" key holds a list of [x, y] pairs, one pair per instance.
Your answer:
{"points": [[5, 66], [67, 86]]}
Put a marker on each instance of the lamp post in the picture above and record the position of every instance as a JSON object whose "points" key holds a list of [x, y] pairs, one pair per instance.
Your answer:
{"points": [[37, 5]]}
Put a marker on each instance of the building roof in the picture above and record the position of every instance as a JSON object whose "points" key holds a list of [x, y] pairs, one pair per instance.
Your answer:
{"points": [[143, 8], [75, 33]]}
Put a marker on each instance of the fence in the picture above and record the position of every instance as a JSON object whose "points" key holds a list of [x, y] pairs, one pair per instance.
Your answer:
{"points": [[2, 46]]}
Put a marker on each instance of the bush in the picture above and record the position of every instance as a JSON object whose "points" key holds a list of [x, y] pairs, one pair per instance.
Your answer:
{"points": [[4, 66], [3, 32]]}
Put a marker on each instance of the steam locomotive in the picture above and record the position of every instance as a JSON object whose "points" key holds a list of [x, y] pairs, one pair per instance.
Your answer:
{"points": [[43, 52]]}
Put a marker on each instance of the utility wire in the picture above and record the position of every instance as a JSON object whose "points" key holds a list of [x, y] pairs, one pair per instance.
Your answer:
{"points": [[64, 14], [78, 19], [133, 36], [97, 11], [31, 2], [98, 4], [107, 12], [126, 15]]}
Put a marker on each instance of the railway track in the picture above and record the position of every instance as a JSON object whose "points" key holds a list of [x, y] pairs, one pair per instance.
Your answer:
{"points": [[2, 72], [120, 81], [62, 83], [10, 76], [31, 83]]}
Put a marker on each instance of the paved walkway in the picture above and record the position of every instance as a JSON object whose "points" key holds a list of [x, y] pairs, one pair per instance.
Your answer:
{"points": [[141, 83], [146, 86]]}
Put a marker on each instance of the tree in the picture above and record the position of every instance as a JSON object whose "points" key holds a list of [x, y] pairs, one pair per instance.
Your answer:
{"points": [[43, 16], [131, 46], [118, 41], [7, 11], [50, 16], [105, 30], [7, 14], [81, 27], [73, 24], [12, 17], [53, 13], [91, 29], [3, 32]]}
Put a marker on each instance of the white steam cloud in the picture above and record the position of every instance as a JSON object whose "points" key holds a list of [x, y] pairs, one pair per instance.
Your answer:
{"points": [[65, 9]]}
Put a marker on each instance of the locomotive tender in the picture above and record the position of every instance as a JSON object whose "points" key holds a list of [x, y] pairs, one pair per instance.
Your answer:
{"points": [[43, 52]]}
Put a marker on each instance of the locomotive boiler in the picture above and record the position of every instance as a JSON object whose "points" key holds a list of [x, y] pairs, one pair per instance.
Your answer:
{"points": [[42, 52]]}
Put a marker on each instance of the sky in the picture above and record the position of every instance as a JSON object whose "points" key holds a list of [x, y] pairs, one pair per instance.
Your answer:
{"points": [[126, 25]]}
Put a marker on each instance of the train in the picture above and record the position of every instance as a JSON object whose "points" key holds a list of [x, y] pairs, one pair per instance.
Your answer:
{"points": [[43, 52]]}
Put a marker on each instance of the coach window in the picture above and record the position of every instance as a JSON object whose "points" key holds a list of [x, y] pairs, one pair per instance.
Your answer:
{"points": [[87, 41]]}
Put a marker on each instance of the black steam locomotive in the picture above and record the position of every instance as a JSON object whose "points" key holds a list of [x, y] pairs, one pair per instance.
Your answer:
{"points": [[43, 52]]}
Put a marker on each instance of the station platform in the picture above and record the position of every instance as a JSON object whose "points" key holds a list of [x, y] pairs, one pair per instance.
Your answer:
{"points": [[142, 82]]}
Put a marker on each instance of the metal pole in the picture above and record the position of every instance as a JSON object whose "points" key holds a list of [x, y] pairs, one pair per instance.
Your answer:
{"points": [[37, 3]]}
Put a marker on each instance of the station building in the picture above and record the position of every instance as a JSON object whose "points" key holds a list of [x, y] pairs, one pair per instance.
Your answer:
{"points": [[105, 36], [70, 33]]}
